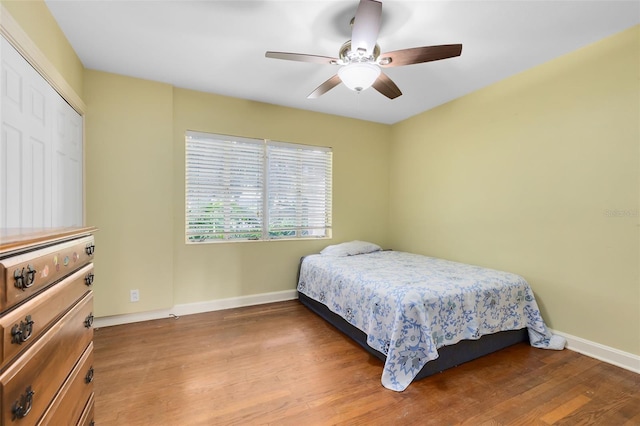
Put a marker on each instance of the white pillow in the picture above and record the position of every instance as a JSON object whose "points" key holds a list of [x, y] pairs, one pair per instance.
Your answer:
{"points": [[351, 248]]}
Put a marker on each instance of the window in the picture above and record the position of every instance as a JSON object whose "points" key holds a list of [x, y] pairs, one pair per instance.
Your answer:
{"points": [[254, 189]]}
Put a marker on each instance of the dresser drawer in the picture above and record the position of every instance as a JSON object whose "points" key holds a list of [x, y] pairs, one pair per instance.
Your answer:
{"points": [[24, 275], [87, 418], [30, 383], [70, 402], [21, 326]]}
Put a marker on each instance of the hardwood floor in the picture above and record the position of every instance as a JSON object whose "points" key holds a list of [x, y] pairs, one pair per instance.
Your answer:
{"points": [[280, 364]]}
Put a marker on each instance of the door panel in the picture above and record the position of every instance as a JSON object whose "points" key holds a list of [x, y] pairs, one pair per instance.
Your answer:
{"points": [[11, 176]]}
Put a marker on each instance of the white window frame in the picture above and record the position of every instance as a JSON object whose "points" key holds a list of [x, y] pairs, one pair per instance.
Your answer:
{"points": [[231, 195]]}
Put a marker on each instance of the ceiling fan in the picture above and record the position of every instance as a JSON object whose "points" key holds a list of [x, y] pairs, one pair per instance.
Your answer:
{"points": [[360, 59]]}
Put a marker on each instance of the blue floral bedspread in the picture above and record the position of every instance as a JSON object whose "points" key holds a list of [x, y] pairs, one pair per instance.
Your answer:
{"points": [[410, 305]]}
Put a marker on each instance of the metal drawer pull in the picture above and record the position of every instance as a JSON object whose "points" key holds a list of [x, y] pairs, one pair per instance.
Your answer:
{"points": [[25, 277], [88, 322], [31, 276], [89, 377], [22, 406], [90, 249], [88, 280], [20, 333], [17, 275]]}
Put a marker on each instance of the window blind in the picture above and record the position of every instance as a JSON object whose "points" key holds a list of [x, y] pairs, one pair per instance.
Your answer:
{"points": [[224, 188], [253, 189], [299, 190]]}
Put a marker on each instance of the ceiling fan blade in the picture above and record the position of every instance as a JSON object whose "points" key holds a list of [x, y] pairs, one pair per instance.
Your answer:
{"points": [[301, 57], [366, 25], [386, 86], [325, 87], [419, 55]]}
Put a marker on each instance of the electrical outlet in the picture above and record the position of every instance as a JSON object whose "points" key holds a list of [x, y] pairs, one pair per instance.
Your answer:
{"points": [[134, 295]]}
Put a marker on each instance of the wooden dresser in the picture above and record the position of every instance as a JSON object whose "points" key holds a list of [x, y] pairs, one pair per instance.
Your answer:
{"points": [[46, 305]]}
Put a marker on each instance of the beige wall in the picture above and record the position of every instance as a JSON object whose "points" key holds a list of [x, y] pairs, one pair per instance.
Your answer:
{"points": [[521, 176], [129, 180], [135, 179], [36, 20], [360, 181]]}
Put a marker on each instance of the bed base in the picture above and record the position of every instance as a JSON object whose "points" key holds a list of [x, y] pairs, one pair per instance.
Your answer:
{"points": [[450, 356]]}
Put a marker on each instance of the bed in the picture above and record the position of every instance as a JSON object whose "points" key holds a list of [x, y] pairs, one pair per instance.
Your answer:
{"points": [[419, 315]]}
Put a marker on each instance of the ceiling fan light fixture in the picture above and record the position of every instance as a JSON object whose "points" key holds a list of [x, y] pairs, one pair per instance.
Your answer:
{"points": [[359, 76]]}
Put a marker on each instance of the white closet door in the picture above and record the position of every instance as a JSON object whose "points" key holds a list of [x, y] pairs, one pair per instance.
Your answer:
{"points": [[40, 150]]}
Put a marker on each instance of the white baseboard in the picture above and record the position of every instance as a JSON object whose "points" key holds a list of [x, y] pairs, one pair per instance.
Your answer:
{"points": [[197, 308], [607, 354]]}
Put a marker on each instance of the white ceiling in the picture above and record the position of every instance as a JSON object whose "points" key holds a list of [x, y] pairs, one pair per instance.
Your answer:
{"points": [[219, 46]]}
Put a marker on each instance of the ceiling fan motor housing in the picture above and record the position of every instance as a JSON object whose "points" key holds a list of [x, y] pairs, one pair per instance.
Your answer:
{"points": [[348, 56]]}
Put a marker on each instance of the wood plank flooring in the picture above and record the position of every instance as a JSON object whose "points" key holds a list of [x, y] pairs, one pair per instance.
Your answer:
{"points": [[280, 364]]}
